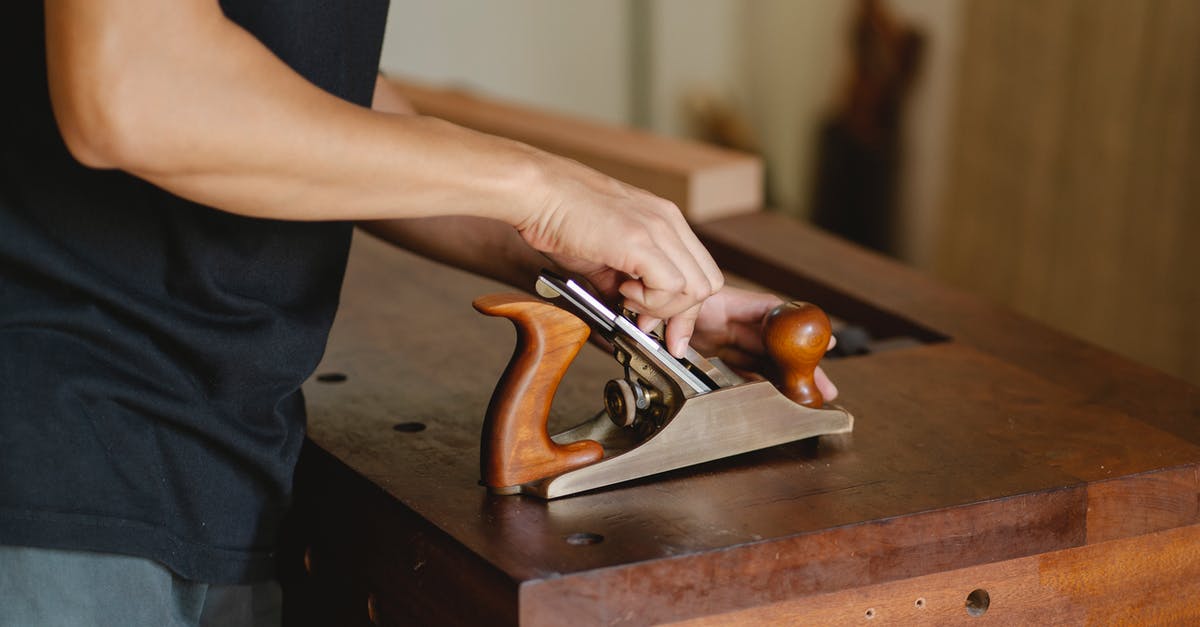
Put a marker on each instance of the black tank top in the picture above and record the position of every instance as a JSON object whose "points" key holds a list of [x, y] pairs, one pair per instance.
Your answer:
{"points": [[152, 349]]}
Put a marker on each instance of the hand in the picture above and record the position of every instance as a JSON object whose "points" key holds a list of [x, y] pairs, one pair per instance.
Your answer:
{"points": [[624, 241], [729, 326]]}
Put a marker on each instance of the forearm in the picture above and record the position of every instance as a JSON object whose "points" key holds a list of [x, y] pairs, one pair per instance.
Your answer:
{"points": [[485, 247], [184, 98], [179, 95]]}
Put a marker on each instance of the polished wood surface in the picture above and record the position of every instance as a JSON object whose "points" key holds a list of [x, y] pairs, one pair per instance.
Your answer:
{"points": [[892, 299], [1149, 579], [516, 447], [989, 439], [796, 335]]}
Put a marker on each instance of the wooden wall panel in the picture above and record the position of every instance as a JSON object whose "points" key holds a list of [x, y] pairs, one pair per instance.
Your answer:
{"points": [[1072, 193]]}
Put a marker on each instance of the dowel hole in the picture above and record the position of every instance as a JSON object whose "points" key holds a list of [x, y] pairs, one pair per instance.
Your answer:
{"points": [[408, 427], [978, 602], [920, 603], [332, 377], [584, 538], [870, 613]]}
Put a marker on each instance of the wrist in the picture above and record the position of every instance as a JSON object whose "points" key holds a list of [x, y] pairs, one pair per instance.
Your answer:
{"points": [[523, 188]]}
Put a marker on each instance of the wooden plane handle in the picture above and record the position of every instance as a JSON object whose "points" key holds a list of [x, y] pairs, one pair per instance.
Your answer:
{"points": [[516, 446], [796, 335]]}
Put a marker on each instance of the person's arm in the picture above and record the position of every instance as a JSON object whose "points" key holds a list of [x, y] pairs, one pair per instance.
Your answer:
{"points": [[177, 94], [479, 245], [485, 247], [730, 322]]}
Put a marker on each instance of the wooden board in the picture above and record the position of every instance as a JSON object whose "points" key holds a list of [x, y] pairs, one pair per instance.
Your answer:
{"points": [[880, 294], [1150, 579], [994, 440], [706, 182]]}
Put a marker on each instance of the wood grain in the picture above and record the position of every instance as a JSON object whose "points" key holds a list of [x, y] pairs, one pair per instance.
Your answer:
{"points": [[1151, 501], [796, 335], [1071, 190], [516, 447], [836, 559], [1001, 441], [890, 299], [1150, 579], [990, 453], [706, 182]]}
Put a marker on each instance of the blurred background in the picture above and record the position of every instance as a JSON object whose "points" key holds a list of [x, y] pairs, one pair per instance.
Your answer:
{"points": [[1042, 154]]}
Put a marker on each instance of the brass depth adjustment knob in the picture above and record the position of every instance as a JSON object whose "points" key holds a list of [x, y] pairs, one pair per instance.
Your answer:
{"points": [[623, 400], [796, 336], [620, 402]]}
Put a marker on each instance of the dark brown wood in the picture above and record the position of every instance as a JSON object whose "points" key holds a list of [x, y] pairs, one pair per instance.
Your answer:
{"points": [[1128, 506], [796, 335], [1146, 579], [893, 300], [349, 542], [990, 439], [516, 447]]}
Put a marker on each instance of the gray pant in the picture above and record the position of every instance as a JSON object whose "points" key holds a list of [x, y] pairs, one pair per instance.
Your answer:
{"points": [[52, 588]]}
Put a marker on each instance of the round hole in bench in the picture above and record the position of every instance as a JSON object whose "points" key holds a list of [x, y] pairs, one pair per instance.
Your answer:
{"points": [[978, 602], [584, 538]]}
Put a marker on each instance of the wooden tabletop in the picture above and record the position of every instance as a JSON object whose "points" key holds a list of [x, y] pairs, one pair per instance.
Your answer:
{"points": [[987, 438]]}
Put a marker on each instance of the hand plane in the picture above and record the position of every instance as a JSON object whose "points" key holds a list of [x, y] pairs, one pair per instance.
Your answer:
{"points": [[665, 413]]}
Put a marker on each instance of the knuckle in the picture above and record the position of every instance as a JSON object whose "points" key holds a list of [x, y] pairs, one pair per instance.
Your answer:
{"points": [[657, 226], [656, 304], [637, 236], [673, 284], [667, 207], [710, 290], [700, 290]]}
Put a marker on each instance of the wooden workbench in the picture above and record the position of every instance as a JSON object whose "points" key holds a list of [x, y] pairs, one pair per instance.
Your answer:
{"points": [[991, 458]]}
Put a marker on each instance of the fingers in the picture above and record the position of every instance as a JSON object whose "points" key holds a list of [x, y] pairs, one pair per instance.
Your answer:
{"points": [[648, 323], [707, 265], [828, 390], [669, 274], [748, 306], [675, 275], [593, 219], [680, 326], [733, 317], [679, 330], [704, 279]]}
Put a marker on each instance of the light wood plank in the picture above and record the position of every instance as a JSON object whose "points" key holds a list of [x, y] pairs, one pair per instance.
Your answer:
{"points": [[706, 182]]}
